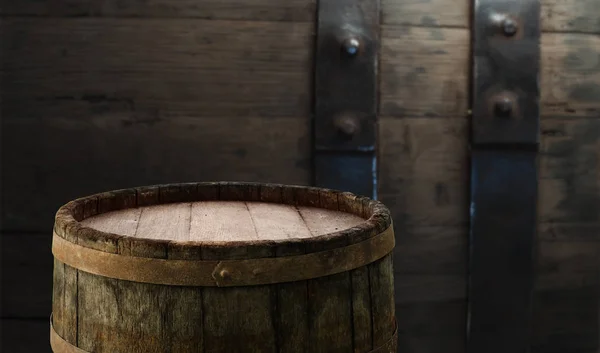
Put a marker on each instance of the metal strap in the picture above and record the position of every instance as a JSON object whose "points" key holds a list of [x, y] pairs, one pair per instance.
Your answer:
{"points": [[346, 95], [504, 174], [59, 345], [224, 273]]}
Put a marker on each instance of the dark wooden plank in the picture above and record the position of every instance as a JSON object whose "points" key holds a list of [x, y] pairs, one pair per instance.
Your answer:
{"points": [[292, 324], [431, 250], [569, 231], [27, 275], [568, 256], [164, 67], [330, 321], [423, 171], [419, 332], [25, 336], [416, 288], [182, 149], [566, 313], [124, 306], [557, 15], [221, 307], [261, 10], [381, 280], [424, 73], [570, 16], [570, 79], [570, 171]]}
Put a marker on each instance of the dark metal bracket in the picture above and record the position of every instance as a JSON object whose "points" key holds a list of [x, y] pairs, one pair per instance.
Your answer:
{"points": [[505, 137], [345, 127]]}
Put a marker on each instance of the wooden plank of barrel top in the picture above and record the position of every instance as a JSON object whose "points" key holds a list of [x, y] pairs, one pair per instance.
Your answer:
{"points": [[223, 267]]}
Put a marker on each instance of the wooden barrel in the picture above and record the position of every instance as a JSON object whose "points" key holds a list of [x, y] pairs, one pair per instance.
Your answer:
{"points": [[223, 267]]}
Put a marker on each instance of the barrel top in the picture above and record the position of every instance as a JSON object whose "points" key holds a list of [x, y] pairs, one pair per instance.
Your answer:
{"points": [[222, 221]]}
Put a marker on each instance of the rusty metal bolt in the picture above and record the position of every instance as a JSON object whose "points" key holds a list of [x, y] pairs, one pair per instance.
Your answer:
{"points": [[503, 106], [509, 27], [346, 125], [351, 46], [224, 274]]}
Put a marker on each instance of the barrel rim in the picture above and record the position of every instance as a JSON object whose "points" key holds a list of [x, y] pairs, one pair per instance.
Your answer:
{"points": [[67, 220]]}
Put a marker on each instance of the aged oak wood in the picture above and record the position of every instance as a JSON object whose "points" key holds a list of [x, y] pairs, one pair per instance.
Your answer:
{"points": [[258, 10], [424, 73], [556, 15], [62, 98], [224, 222]]}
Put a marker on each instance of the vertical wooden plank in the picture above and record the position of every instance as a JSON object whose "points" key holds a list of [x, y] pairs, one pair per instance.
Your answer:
{"points": [[225, 330], [184, 325], [132, 315], [361, 310], [382, 299], [290, 300], [58, 297], [70, 310], [329, 299]]}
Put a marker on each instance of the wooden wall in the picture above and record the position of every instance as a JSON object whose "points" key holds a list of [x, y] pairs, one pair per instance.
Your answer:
{"points": [[103, 94], [425, 177]]}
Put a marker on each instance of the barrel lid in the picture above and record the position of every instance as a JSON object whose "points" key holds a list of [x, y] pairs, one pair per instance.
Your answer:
{"points": [[220, 220]]}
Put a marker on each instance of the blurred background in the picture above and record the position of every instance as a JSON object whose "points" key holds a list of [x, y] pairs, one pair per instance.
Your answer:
{"points": [[108, 94]]}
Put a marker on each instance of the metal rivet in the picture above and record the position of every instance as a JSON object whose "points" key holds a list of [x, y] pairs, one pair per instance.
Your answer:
{"points": [[224, 274], [346, 125], [509, 27], [351, 46], [503, 106]]}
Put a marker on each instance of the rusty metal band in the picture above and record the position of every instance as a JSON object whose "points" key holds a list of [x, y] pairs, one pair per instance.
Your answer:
{"points": [[59, 344], [504, 174], [345, 125], [226, 273]]}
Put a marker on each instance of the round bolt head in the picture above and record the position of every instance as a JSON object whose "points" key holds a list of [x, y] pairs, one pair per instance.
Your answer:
{"points": [[224, 274], [509, 27], [351, 46], [504, 106], [347, 126]]}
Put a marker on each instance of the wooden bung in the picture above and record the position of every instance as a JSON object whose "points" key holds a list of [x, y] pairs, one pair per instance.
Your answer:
{"points": [[223, 267]]}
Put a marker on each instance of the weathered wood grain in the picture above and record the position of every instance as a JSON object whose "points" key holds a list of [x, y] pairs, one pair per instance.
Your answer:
{"points": [[568, 257], [557, 15], [570, 75], [425, 71], [432, 312], [182, 149], [381, 280], [261, 10], [565, 312], [423, 171], [570, 171], [164, 67], [181, 85], [431, 250]]}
